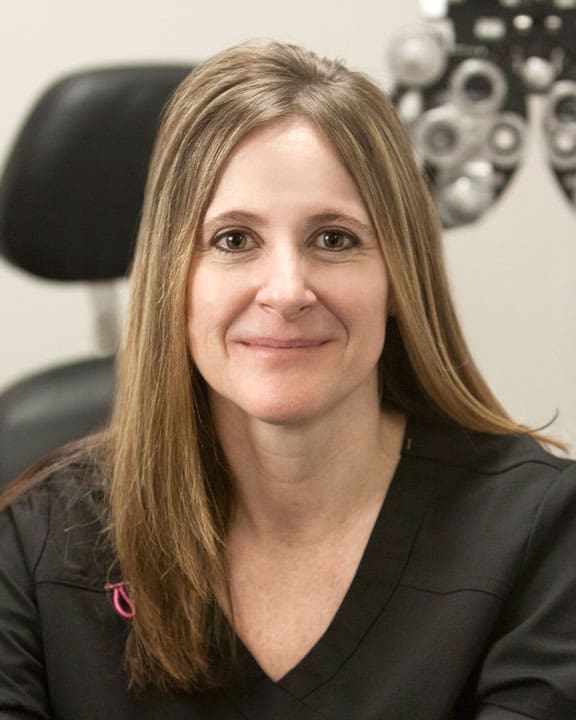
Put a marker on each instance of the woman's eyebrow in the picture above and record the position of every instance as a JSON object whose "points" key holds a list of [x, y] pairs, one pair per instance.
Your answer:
{"points": [[232, 217], [329, 217]]}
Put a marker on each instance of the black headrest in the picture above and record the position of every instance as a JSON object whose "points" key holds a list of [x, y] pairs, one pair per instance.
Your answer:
{"points": [[71, 193], [46, 410]]}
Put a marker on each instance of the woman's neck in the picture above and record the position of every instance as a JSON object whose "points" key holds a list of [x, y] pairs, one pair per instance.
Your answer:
{"points": [[299, 483]]}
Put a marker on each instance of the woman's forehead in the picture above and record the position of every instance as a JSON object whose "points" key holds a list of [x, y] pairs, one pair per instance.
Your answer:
{"points": [[283, 164]]}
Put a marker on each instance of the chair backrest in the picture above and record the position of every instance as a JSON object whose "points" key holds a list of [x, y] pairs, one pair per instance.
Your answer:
{"points": [[70, 199], [71, 192]]}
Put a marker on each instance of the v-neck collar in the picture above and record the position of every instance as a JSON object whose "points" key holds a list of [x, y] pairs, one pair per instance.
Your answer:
{"points": [[378, 574]]}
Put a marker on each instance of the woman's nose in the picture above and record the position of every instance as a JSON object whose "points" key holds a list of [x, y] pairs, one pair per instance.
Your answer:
{"points": [[285, 285]]}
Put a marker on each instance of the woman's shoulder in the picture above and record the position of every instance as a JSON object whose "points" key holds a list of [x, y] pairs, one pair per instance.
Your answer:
{"points": [[482, 454], [494, 502], [57, 526], [489, 486], [67, 488]]}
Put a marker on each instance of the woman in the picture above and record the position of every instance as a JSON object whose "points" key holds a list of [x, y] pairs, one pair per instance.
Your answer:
{"points": [[308, 504]]}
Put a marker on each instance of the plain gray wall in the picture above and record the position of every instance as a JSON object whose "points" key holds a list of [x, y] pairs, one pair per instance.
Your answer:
{"points": [[513, 273]]}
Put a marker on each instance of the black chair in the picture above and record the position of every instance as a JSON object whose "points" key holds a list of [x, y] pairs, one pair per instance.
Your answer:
{"points": [[70, 199]]}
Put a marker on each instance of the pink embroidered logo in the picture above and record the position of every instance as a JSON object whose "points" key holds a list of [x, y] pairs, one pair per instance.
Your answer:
{"points": [[123, 605]]}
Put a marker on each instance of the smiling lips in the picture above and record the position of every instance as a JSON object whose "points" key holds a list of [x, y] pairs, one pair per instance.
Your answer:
{"points": [[275, 346]]}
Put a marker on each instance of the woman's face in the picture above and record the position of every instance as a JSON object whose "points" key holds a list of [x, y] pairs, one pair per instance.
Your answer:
{"points": [[288, 293]]}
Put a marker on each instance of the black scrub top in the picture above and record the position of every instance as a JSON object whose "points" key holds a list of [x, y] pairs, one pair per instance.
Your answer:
{"points": [[463, 606]]}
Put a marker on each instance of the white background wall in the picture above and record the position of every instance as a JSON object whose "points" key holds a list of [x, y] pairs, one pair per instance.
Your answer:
{"points": [[513, 274]]}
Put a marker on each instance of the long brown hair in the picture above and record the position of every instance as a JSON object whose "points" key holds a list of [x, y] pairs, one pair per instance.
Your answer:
{"points": [[169, 490]]}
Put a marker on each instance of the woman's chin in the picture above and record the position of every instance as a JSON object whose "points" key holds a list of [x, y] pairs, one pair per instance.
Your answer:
{"points": [[284, 412], [294, 403], [275, 408]]}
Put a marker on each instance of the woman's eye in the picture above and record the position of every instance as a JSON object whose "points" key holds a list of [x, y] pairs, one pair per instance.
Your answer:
{"points": [[336, 240], [233, 241]]}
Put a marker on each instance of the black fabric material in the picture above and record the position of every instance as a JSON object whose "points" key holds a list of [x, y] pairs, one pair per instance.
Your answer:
{"points": [[47, 410], [72, 189], [463, 606]]}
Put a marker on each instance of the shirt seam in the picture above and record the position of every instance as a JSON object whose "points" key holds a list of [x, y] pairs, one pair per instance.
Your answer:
{"points": [[538, 514], [48, 514], [480, 471], [72, 584], [469, 589]]}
